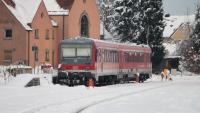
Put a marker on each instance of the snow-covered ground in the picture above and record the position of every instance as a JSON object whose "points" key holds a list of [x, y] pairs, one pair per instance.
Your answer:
{"points": [[182, 95]]}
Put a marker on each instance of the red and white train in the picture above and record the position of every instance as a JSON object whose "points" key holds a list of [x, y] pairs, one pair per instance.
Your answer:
{"points": [[83, 59]]}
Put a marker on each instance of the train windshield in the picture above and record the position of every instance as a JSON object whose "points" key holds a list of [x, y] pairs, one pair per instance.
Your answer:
{"points": [[76, 54]]}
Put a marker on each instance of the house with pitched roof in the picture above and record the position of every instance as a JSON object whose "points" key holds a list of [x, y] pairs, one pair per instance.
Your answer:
{"points": [[30, 30], [177, 29]]}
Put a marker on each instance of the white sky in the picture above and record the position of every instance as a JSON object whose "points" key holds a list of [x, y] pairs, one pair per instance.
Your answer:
{"points": [[179, 7]]}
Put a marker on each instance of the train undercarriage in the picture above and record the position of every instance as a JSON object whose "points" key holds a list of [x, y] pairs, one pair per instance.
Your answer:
{"points": [[89, 79]]}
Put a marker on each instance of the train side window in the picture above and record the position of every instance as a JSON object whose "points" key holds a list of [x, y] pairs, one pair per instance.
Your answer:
{"points": [[133, 57], [99, 55], [109, 56], [136, 57], [96, 55], [126, 56], [115, 56], [112, 56], [143, 55], [140, 57], [105, 55], [118, 56]]}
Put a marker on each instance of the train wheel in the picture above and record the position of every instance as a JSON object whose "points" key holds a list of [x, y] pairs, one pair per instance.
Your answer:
{"points": [[71, 82], [141, 78], [137, 79], [55, 80]]}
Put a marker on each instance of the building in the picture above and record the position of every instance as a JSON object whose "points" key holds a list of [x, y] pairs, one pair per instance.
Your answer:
{"points": [[178, 28], [30, 30]]}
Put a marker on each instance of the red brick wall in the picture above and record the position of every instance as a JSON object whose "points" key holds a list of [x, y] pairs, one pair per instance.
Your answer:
{"points": [[72, 21], [91, 10], [42, 23], [18, 42]]}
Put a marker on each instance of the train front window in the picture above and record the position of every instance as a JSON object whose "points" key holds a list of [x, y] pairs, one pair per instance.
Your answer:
{"points": [[76, 54], [83, 52], [69, 52]]}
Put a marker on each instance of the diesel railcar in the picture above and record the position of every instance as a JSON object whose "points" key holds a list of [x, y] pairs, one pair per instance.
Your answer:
{"points": [[83, 59]]}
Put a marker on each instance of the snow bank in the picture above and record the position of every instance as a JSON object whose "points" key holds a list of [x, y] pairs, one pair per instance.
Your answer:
{"points": [[22, 80]]}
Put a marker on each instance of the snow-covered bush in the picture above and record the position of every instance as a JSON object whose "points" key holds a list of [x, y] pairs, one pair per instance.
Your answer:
{"points": [[190, 49]]}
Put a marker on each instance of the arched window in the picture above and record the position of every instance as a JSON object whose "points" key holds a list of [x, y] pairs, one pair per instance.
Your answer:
{"points": [[84, 26]]}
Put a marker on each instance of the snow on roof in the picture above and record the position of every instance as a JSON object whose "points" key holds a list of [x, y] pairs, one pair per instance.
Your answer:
{"points": [[173, 23], [54, 23], [24, 11], [171, 49], [54, 8]]}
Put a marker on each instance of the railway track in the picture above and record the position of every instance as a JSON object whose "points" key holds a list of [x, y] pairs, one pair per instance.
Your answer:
{"points": [[94, 103], [120, 96]]}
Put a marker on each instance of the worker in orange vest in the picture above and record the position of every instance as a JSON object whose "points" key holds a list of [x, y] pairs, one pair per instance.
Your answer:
{"points": [[165, 74]]}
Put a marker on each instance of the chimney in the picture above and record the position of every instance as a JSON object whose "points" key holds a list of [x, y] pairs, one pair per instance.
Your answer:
{"points": [[10, 2]]}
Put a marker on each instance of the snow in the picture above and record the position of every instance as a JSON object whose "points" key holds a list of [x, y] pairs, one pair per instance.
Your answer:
{"points": [[24, 11], [178, 96], [53, 8], [103, 31], [171, 49], [173, 23], [54, 23]]}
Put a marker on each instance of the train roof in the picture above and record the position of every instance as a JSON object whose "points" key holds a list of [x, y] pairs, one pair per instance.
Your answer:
{"points": [[83, 40], [77, 40]]}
